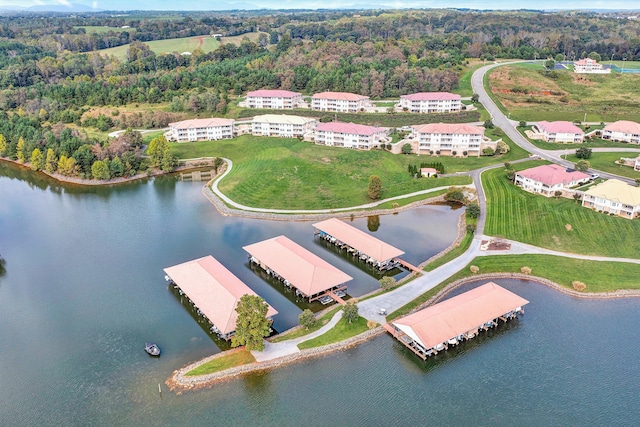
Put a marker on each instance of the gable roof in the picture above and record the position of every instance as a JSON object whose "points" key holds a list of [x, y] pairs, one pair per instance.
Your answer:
{"points": [[560, 126], [349, 128], [274, 93], [449, 128], [552, 175], [431, 96], [342, 96], [363, 242], [202, 123], [459, 314], [283, 118], [213, 289], [616, 191], [303, 269], [624, 126]]}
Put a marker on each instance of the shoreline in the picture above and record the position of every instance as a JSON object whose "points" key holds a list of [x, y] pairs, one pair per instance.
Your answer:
{"points": [[178, 382]]}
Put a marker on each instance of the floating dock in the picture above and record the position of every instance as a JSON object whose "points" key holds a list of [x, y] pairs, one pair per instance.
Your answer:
{"points": [[296, 267], [459, 318], [213, 290], [362, 245]]}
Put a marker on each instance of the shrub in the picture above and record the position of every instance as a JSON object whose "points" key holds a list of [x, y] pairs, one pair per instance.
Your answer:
{"points": [[525, 270], [578, 286], [474, 269], [371, 324], [307, 319], [471, 228], [387, 282], [488, 151]]}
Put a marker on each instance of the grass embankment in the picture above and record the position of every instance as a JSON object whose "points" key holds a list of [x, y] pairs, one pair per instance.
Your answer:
{"points": [[323, 320], [342, 331], [531, 94], [230, 360], [287, 173], [394, 120], [406, 201], [559, 224], [464, 83], [606, 162], [452, 254]]}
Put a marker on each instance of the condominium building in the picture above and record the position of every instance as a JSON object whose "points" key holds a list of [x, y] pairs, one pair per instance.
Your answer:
{"points": [[614, 197], [342, 102], [282, 125], [431, 102], [451, 139], [559, 131], [275, 99], [622, 130], [200, 130], [350, 135]]}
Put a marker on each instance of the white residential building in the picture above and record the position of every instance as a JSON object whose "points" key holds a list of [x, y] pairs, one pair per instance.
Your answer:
{"points": [[341, 102], [615, 197], [350, 135], [275, 99], [282, 125], [451, 139], [431, 102], [200, 130], [622, 130], [547, 179], [589, 66], [560, 131]]}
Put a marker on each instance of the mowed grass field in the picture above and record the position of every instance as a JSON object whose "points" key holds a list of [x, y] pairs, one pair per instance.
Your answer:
{"points": [[529, 95], [606, 162], [291, 174], [559, 224], [98, 29], [184, 44]]}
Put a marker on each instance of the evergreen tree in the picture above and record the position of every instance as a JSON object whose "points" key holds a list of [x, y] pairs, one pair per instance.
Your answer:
{"points": [[252, 324], [375, 187], [350, 311], [100, 170], [169, 161], [3, 145], [20, 150], [51, 162], [37, 160]]}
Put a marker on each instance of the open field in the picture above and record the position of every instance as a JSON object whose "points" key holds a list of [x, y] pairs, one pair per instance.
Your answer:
{"points": [[103, 30], [635, 65], [185, 44], [323, 320], [605, 162], [529, 95], [515, 214], [291, 174], [229, 360], [340, 332]]}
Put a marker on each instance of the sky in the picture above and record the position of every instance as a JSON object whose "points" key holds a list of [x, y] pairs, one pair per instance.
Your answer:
{"points": [[313, 4]]}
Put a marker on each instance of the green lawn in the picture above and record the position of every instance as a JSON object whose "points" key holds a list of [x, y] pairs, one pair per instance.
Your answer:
{"points": [[98, 29], [290, 174], [626, 64], [562, 95], [464, 83], [541, 221], [229, 360], [599, 276], [453, 253], [571, 147], [323, 320], [185, 44], [606, 162], [340, 332]]}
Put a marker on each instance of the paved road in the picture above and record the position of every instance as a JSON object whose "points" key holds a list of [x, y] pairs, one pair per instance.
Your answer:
{"points": [[509, 127]]}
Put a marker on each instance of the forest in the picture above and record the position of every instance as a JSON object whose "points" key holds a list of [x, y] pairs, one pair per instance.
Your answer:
{"points": [[52, 72]]}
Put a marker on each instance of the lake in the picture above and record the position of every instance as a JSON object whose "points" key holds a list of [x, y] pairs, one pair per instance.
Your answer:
{"points": [[84, 290]]}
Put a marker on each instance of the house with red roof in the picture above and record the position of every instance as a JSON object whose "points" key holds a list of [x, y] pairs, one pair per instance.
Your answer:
{"points": [[559, 131], [450, 139], [341, 102], [589, 66], [622, 130], [350, 135], [547, 179], [200, 130], [431, 102], [273, 99]]}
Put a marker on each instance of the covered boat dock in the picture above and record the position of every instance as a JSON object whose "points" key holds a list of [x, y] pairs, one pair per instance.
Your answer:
{"points": [[462, 317], [296, 267], [360, 244], [213, 290]]}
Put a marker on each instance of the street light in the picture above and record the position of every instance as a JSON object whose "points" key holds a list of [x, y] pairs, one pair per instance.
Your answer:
{"points": [[623, 59], [585, 118], [611, 61]]}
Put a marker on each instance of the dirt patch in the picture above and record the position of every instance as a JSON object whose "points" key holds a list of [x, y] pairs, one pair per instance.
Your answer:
{"points": [[582, 80], [325, 160], [568, 227]]}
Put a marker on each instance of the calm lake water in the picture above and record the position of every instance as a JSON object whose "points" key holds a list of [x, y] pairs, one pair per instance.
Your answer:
{"points": [[84, 290]]}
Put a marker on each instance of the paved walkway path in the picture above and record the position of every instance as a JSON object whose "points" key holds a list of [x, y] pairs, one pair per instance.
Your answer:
{"points": [[227, 200], [285, 348]]}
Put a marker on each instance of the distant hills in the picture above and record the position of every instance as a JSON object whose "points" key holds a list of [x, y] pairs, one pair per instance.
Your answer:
{"points": [[71, 8]]}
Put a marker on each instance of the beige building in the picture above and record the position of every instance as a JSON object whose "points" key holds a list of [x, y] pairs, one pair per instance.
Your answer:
{"points": [[282, 125], [449, 139], [614, 197], [341, 102], [200, 130], [431, 102]]}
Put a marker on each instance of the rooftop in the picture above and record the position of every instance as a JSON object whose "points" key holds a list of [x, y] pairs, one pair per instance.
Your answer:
{"points": [[553, 174], [559, 127], [624, 126], [617, 191], [349, 128], [274, 93], [363, 242], [201, 123], [283, 118], [304, 270], [459, 314], [213, 289], [342, 96], [449, 128], [431, 96]]}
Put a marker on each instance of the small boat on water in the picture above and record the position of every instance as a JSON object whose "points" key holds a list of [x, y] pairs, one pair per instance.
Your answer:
{"points": [[152, 349]]}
